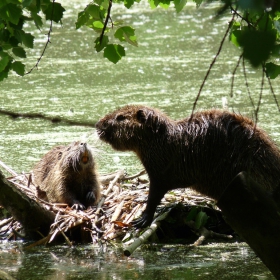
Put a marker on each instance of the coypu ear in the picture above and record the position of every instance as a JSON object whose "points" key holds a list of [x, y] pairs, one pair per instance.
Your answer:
{"points": [[120, 117], [142, 115], [59, 155]]}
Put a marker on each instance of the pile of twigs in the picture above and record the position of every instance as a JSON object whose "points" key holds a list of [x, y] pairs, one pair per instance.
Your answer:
{"points": [[123, 198]]}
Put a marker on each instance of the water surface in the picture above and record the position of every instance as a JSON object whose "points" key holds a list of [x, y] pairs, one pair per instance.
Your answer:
{"points": [[166, 72]]}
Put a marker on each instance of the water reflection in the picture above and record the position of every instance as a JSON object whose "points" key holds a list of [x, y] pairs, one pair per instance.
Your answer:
{"points": [[222, 261]]}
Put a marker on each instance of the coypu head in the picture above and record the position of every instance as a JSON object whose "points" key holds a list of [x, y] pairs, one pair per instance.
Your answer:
{"points": [[131, 126], [77, 156]]}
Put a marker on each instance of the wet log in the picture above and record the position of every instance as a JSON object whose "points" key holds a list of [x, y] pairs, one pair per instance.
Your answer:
{"points": [[32, 216], [252, 212]]}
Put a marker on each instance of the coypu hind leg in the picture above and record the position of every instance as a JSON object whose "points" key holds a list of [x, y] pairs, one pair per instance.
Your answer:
{"points": [[156, 193]]}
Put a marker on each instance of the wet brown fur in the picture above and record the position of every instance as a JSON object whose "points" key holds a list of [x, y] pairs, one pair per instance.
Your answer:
{"points": [[204, 152], [65, 178]]}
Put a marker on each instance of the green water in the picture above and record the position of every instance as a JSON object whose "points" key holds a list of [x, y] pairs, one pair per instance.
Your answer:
{"points": [[209, 262], [166, 72]]}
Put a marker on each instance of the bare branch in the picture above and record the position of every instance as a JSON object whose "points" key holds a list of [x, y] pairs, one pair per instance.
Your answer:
{"points": [[247, 86], [233, 75], [106, 21], [46, 45], [212, 63]]}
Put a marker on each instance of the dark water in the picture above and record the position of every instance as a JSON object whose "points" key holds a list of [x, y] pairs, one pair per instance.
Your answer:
{"points": [[213, 261], [166, 72]]}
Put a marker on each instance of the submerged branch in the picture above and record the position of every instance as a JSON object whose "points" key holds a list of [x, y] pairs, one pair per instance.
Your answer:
{"points": [[60, 120]]}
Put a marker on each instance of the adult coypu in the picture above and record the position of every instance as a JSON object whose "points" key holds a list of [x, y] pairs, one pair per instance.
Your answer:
{"points": [[203, 152], [67, 174]]}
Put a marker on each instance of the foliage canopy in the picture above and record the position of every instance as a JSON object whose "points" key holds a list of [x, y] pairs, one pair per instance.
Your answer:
{"points": [[254, 28]]}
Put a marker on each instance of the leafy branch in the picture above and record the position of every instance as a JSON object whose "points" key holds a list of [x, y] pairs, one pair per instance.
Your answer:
{"points": [[257, 33], [14, 39]]}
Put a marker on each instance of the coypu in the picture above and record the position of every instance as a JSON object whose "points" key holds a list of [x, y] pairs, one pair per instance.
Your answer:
{"points": [[67, 175], [203, 152]]}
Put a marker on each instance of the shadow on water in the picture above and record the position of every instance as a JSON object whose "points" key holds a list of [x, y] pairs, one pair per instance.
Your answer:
{"points": [[159, 262]]}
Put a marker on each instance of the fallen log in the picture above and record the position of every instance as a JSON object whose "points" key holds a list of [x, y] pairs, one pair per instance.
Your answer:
{"points": [[32, 216]]}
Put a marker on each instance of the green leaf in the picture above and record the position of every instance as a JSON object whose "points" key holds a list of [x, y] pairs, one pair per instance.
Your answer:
{"points": [[98, 25], [257, 45], [11, 12], [4, 74], [114, 52], [18, 67], [234, 33], [179, 5], [37, 20], [128, 3], [152, 4], [4, 60], [272, 70], [4, 35], [26, 3], [26, 38], [191, 215], [126, 33], [164, 4], [235, 37], [98, 46], [82, 19], [19, 51], [200, 219], [198, 2], [94, 11], [54, 12]]}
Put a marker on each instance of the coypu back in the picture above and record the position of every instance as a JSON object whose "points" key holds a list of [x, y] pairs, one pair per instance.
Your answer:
{"points": [[67, 174], [204, 151]]}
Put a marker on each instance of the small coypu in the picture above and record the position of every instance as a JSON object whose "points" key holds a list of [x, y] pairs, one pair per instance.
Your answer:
{"points": [[67, 175], [203, 152]]}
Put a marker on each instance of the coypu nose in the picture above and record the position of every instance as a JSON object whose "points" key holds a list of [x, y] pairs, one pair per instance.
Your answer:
{"points": [[102, 125], [98, 124]]}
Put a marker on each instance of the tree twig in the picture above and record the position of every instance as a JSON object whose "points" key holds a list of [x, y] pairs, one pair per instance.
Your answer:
{"points": [[272, 91], [46, 45], [233, 75], [247, 86], [212, 64], [106, 22]]}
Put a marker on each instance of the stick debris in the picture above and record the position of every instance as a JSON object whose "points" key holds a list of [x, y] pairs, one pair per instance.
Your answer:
{"points": [[123, 198]]}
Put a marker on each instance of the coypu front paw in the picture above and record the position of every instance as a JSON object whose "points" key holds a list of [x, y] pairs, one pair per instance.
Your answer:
{"points": [[143, 221], [78, 206], [90, 197]]}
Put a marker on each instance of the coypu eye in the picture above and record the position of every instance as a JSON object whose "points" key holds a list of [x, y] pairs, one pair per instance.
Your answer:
{"points": [[59, 155], [120, 118]]}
